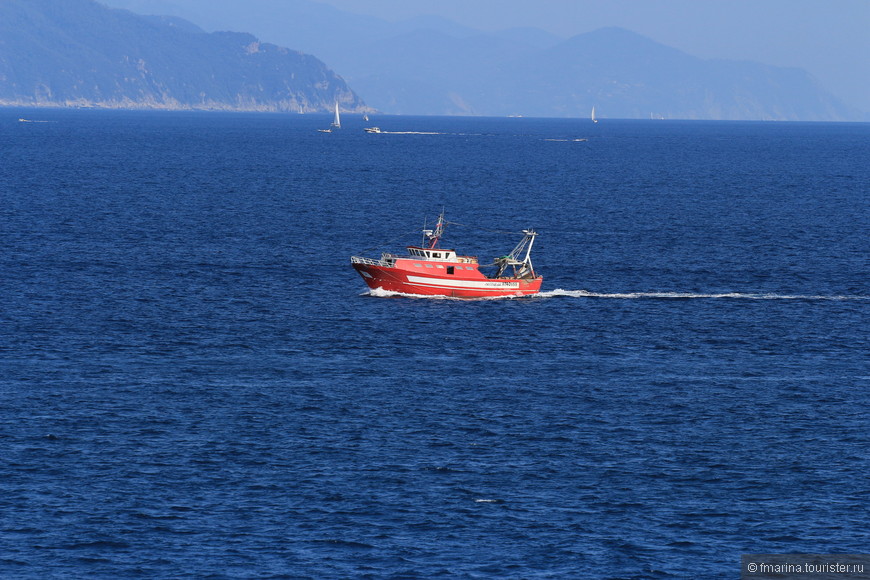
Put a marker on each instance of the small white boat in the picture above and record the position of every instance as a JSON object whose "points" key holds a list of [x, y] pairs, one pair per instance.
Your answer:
{"points": [[594, 120], [336, 122], [372, 130]]}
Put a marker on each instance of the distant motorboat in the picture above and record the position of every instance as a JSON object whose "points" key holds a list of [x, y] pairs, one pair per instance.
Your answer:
{"points": [[372, 130]]}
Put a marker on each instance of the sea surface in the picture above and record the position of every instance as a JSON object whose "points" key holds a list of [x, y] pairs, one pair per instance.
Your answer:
{"points": [[194, 383]]}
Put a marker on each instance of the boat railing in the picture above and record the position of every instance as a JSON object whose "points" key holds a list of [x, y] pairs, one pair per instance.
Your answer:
{"points": [[389, 260], [370, 261]]}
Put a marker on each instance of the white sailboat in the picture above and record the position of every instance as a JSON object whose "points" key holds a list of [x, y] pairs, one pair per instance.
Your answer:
{"points": [[336, 122], [594, 120]]}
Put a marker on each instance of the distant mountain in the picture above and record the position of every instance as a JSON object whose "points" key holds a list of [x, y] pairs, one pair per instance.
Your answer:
{"points": [[626, 75], [81, 53], [434, 66], [622, 74]]}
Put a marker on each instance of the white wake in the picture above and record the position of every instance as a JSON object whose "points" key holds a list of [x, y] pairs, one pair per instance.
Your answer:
{"points": [[559, 292]]}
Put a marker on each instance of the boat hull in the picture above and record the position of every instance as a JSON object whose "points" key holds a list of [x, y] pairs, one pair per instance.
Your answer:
{"points": [[408, 282]]}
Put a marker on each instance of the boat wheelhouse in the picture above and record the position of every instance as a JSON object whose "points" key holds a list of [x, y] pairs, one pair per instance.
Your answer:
{"points": [[430, 270]]}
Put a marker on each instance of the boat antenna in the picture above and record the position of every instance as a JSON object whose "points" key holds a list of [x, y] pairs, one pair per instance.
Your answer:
{"points": [[430, 237]]}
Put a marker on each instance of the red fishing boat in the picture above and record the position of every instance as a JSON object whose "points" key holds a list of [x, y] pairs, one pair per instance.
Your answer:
{"points": [[433, 271]]}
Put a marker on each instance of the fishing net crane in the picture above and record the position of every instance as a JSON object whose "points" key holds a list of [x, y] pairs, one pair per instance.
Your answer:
{"points": [[520, 267]]}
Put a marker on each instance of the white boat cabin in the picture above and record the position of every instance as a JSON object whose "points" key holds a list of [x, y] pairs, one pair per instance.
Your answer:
{"points": [[439, 255]]}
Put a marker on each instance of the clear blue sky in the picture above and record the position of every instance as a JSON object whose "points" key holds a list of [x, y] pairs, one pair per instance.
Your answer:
{"points": [[829, 38]]}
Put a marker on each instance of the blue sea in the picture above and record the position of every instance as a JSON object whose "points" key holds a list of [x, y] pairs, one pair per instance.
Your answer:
{"points": [[194, 383]]}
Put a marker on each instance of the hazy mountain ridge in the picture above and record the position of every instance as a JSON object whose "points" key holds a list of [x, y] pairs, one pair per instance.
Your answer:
{"points": [[621, 73], [435, 66], [80, 53], [627, 75], [51, 53]]}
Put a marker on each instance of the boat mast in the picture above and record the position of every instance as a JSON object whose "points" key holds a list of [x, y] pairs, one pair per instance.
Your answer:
{"points": [[430, 237]]}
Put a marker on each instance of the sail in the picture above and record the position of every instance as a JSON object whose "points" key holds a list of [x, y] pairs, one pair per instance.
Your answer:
{"points": [[594, 120], [337, 121]]}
